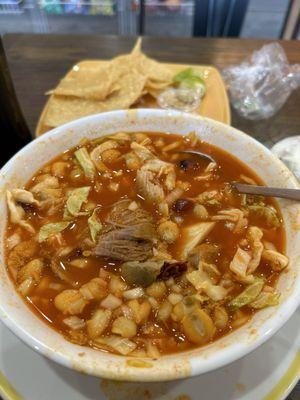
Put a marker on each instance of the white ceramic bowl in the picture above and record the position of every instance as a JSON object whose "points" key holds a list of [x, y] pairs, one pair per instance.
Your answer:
{"points": [[17, 316]]}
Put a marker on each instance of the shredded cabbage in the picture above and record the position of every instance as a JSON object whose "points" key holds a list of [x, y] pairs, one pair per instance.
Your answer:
{"points": [[276, 260], [248, 295], [265, 299], [197, 278], [239, 266], [75, 201], [52, 229], [86, 163], [267, 212], [201, 281], [193, 235], [210, 198], [94, 225], [123, 346]]}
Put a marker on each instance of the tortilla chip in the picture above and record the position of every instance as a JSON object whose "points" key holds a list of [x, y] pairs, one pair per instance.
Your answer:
{"points": [[92, 82], [63, 109], [154, 70], [155, 85], [131, 89], [137, 49], [92, 88], [95, 81], [123, 64]]}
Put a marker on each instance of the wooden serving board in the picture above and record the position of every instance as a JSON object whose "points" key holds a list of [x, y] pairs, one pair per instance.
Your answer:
{"points": [[215, 103]]}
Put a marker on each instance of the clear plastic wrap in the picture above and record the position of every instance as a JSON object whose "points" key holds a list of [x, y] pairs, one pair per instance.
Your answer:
{"points": [[260, 86]]}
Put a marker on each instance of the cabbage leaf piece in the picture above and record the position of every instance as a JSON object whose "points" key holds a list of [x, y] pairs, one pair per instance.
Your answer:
{"points": [[75, 201], [52, 229], [239, 266], [94, 225], [121, 345], [202, 282], [210, 198], [248, 295], [193, 235], [265, 299], [85, 162], [268, 213], [276, 260]]}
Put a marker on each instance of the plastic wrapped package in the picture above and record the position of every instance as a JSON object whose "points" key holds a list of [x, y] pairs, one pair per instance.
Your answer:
{"points": [[260, 86]]}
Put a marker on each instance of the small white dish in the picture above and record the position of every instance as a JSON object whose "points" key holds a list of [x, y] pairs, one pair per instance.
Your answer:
{"points": [[17, 316]]}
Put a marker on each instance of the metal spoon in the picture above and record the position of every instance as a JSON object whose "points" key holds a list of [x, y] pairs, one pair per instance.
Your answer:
{"points": [[196, 153], [292, 194]]}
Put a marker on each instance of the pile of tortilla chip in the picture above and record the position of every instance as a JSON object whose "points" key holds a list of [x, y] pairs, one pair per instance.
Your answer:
{"points": [[96, 87]]}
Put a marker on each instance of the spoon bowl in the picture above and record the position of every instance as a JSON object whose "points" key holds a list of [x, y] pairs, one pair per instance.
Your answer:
{"points": [[198, 154]]}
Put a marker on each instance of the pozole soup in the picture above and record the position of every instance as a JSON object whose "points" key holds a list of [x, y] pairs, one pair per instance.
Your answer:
{"points": [[127, 245]]}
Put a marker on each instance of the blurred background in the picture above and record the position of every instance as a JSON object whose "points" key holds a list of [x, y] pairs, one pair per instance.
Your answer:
{"points": [[268, 19]]}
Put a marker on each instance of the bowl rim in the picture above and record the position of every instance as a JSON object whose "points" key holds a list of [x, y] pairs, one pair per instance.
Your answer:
{"points": [[233, 352]]}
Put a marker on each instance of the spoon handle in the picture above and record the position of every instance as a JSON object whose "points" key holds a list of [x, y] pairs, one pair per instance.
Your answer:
{"points": [[292, 194]]}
